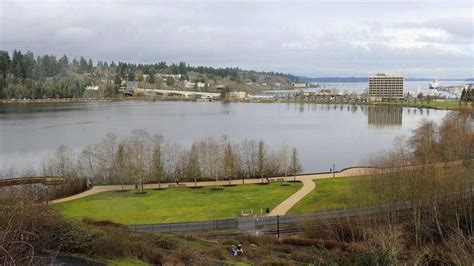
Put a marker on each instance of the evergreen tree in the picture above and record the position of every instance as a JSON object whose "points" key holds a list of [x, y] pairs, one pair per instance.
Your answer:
{"points": [[117, 80], [90, 66], [17, 66], [29, 63], [4, 64], [64, 62], [463, 95], [82, 65], [151, 78], [131, 76], [182, 69]]}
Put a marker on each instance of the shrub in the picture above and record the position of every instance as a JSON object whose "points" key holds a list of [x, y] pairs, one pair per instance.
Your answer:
{"points": [[105, 223], [216, 253], [375, 258], [166, 242], [110, 246], [230, 242], [188, 256], [303, 256]]}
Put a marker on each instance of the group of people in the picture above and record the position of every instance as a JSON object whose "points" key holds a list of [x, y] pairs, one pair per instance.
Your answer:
{"points": [[237, 250]]}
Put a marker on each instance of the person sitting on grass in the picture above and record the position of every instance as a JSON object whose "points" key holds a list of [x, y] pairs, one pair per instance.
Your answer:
{"points": [[240, 251], [233, 250]]}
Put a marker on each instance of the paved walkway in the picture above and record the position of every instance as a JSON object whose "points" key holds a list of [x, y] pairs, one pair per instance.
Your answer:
{"points": [[308, 186]]}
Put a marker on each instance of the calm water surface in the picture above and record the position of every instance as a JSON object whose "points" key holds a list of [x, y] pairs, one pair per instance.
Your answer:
{"points": [[323, 134]]}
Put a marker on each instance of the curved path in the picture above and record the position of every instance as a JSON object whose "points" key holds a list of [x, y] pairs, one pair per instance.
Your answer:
{"points": [[308, 186], [286, 205]]}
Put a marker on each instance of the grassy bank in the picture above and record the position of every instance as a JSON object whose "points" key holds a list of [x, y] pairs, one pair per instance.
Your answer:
{"points": [[177, 204], [432, 104], [329, 194]]}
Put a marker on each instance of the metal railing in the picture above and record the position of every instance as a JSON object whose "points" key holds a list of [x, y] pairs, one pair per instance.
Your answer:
{"points": [[186, 226]]}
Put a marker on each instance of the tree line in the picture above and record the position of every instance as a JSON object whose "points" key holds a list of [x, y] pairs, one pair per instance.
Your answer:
{"points": [[22, 75], [142, 158]]}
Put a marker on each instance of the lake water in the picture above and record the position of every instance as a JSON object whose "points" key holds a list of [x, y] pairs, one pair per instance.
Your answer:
{"points": [[323, 134]]}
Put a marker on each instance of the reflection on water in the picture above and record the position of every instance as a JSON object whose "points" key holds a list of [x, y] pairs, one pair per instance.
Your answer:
{"points": [[323, 133], [383, 116]]}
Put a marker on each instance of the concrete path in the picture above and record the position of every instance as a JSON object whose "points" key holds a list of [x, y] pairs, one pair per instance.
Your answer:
{"points": [[308, 186]]}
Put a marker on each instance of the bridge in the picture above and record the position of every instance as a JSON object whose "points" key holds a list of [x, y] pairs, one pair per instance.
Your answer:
{"points": [[186, 94], [47, 180]]}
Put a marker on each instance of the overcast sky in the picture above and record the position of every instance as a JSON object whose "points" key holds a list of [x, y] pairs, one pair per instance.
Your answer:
{"points": [[429, 38]]}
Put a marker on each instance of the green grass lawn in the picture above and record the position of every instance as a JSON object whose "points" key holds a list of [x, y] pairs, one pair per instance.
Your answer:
{"points": [[177, 204], [425, 104], [329, 194]]}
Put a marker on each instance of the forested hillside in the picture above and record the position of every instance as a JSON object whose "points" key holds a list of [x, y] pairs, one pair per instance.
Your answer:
{"points": [[24, 75]]}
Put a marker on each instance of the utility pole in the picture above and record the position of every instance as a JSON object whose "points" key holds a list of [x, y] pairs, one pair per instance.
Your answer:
{"points": [[333, 170]]}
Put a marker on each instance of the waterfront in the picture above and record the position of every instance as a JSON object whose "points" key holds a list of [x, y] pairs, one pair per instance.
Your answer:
{"points": [[414, 87], [323, 134]]}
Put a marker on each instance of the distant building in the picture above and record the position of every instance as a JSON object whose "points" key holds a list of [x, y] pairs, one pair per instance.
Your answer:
{"points": [[385, 86], [238, 95], [92, 88], [299, 85], [191, 85]]}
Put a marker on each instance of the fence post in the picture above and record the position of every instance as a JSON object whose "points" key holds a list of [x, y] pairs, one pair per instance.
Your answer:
{"points": [[278, 226]]}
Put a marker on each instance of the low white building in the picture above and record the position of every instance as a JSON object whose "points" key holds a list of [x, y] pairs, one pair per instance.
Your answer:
{"points": [[92, 88], [190, 85]]}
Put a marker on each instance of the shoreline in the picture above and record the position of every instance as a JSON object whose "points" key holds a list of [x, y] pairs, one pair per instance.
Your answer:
{"points": [[437, 105]]}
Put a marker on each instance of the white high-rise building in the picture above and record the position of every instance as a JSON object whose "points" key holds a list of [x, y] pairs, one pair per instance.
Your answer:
{"points": [[385, 86]]}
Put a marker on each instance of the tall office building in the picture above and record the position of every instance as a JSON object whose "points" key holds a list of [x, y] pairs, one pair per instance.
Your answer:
{"points": [[385, 86]]}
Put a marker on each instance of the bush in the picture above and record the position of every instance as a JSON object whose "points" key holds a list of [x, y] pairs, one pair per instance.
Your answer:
{"points": [[110, 246], [105, 223], [303, 256], [217, 253], [230, 242], [71, 238], [375, 258], [166, 242], [188, 256]]}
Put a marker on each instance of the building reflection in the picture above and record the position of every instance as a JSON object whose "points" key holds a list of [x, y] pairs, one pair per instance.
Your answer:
{"points": [[384, 116]]}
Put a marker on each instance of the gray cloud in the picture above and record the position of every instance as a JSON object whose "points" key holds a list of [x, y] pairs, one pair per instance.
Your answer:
{"points": [[418, 38]]}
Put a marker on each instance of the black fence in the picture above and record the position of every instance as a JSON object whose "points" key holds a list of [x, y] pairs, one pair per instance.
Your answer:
{"points": [[186, 226], [247, 223]]}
